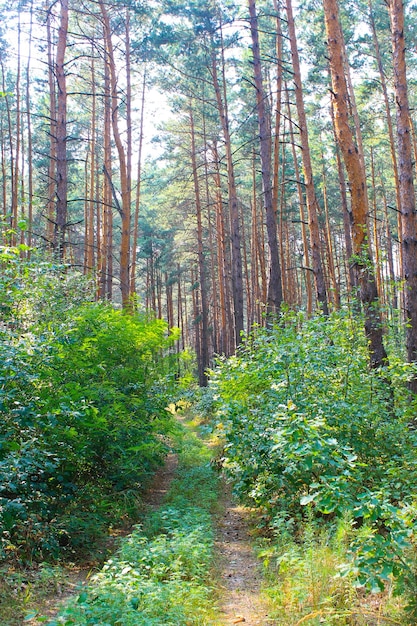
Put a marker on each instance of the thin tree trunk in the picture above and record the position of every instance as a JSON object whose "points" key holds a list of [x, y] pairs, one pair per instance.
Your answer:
{"points": [[212, 247], [138, 189], [237, 277], [123, 164], [224, 264], [91, 203], [390, 256], [306, 259], [329, 243], [347, 216], [50, 211], [11, 236], [383, 81], [29, 135], [17, 131], [203, 343], [312, 203], [378, 276], [279, 55], [61, 137]]}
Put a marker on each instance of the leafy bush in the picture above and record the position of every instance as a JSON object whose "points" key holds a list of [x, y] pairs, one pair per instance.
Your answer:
{"points": [[82, 395], [307, 425]]}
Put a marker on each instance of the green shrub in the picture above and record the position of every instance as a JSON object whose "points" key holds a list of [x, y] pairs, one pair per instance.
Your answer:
{"points": [[306, 424], [82, 414]]}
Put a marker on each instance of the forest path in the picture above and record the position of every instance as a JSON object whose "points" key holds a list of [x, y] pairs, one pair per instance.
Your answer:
{"points": [[237, 568], [240, 600], [76, 577]]}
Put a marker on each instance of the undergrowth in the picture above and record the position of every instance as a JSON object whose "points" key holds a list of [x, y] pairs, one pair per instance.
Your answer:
{"points": [[83, 391], [315, 440], [303, 584], [161, 574]]}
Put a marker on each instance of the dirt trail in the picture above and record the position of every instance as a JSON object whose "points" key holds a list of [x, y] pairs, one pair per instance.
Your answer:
{"points": [[241, 601]]}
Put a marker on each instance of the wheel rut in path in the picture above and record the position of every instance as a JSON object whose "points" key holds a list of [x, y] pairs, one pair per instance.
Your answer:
{"points": [[241, 600], [78, 576]]}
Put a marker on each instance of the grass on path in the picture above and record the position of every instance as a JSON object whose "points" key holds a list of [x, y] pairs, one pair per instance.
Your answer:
{"points": [[161, 574]]}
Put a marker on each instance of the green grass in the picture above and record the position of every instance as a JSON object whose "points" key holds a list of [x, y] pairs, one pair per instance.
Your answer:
{"points": [[304, 586], [161, 574]]}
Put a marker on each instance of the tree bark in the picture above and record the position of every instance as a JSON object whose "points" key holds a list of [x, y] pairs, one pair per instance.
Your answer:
{"points": [[357, 181], [61, 137], [406, 183], [312, 203], [274, 271]]}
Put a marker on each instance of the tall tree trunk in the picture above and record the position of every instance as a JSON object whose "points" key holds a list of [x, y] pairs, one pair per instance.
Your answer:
{"points": [[306, 255], [203, 343], [383, 82], [50, 210], [29, 134], [279, 55], [106, 266], [329, 243], [17, 131], [259, 238], [61, 137], [406, 183], [123, 162], [138, 189], [237, 275], [378, 275], [357, 181], [274, 271], [11, 236], [223, 253], [312, 203], [347, 215], [90, 213], [212, 247], [390, 255], [3, 170]]}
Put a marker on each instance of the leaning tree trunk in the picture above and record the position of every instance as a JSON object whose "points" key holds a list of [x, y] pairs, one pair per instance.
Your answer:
{"points": [[357, 180]]}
